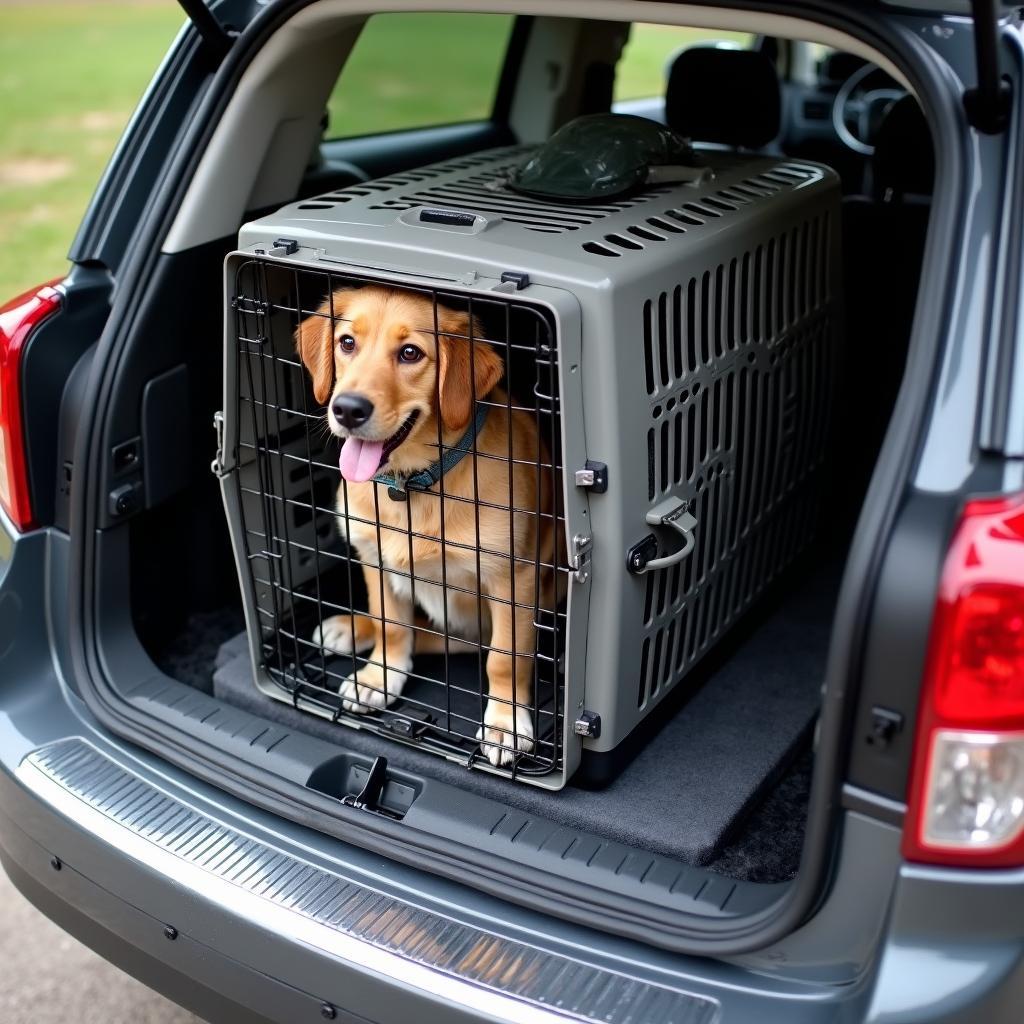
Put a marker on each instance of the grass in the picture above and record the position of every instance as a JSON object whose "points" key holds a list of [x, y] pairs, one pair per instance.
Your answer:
{"points": [[70, 76], [421, 69], [641, 69], [72, 72]]}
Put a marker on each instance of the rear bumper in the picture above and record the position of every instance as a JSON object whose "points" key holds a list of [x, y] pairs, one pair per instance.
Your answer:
{"points": [[239, 924], [276, 929], [273, 922]]}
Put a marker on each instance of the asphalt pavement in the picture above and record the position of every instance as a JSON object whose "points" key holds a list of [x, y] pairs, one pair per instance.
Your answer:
{"points": [[47, 977]]}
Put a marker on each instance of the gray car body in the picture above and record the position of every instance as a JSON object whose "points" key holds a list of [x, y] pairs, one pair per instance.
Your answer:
{"points": [[91, 826]]}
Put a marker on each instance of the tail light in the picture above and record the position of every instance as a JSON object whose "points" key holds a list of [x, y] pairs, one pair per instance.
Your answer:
{"points": [[966, 803], [17, 321]]}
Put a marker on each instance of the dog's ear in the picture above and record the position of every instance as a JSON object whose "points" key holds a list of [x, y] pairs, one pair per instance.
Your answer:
{"points": [[469, 368], [314, 341]]}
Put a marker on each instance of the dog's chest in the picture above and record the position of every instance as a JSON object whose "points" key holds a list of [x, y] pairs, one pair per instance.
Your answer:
{"points": [[414, 567]]}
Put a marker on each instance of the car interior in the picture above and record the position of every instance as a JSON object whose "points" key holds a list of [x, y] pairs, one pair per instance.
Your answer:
{"points": [[704, 808]]}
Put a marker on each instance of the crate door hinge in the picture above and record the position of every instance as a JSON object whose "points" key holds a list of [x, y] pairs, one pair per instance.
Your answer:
{"points": [[989, 102], [217, 466], [581, 548]]}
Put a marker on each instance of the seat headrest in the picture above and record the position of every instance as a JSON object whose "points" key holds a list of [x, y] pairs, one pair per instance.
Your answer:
{"points": [[725, 96], [904, 161]]}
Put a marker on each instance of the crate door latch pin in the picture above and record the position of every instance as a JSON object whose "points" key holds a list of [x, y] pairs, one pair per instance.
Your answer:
{"points": [[674, 513]]}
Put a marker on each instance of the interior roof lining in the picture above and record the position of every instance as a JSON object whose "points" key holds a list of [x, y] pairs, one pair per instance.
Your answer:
{"points": [[212, 208]]}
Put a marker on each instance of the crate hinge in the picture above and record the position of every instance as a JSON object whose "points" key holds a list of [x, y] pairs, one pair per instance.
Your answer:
{"points": [[217, 466], [581, 548]]}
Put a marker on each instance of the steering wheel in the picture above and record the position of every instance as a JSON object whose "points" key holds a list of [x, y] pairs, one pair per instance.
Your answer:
{"points": [[863, 106]]}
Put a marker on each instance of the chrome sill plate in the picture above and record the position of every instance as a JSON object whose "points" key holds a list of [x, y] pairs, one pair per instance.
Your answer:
{"points": [[295, 898]]}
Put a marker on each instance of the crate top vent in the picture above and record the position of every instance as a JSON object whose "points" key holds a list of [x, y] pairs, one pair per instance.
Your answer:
{"points": [[498, 229]]}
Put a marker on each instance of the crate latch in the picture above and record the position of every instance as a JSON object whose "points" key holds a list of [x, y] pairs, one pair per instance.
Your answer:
{"points": [[587, 725], [217, 466], [581, 547], [674, 513], [593, 476], [279, 247], [413, 723]]}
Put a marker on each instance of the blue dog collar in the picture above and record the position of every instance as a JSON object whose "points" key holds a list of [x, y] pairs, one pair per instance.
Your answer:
{"points": [[424, 479]]}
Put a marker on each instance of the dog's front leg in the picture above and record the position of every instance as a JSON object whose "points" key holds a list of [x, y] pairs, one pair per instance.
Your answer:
{"points": [[508, 718], [380, 681]]}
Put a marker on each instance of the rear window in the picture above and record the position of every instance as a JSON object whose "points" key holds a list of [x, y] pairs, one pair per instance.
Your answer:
{"points": [[418, 70], [642, 69]]}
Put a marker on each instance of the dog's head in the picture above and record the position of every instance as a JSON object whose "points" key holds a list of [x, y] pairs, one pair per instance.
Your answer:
{"points": [[389, 378]]}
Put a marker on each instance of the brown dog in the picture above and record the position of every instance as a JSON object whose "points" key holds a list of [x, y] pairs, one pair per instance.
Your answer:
{"points": [[392, 386]]}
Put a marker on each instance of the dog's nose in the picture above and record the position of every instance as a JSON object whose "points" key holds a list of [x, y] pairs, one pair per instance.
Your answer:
{"points": [[351, 409]]}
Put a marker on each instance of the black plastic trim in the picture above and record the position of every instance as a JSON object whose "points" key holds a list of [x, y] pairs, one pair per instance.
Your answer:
{"points": [[989, 103], [51, 352], [72, 410], [216, 38], [896, 640], [938, 89]]}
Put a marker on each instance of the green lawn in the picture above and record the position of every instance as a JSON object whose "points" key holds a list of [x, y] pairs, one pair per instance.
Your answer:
{"points": [[70, 76], [419, 70], [72, 72]]}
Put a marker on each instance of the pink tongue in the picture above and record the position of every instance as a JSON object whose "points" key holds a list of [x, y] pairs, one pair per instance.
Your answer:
{"points": [[360, 459]]}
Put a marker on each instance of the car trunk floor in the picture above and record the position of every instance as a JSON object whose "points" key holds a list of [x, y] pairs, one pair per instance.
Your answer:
{"points": [[739, 741]]}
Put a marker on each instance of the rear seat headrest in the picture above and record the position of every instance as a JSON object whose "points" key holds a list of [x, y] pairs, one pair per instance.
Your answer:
{"points": [[725, 96], [904, 161]]}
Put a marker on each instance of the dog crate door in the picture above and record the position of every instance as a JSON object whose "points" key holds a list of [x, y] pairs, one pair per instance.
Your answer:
{"points": [[299, 566]]}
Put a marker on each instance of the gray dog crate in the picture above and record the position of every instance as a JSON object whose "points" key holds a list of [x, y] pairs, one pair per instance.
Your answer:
{"points": [[676, 350]]}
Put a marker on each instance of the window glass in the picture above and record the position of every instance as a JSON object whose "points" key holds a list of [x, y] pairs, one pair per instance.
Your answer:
{"points": [[642, 70], [416, 70]]}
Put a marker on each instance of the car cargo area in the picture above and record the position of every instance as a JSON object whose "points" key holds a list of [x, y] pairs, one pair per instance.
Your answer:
{"points": [[712, 786], [764, 357]]}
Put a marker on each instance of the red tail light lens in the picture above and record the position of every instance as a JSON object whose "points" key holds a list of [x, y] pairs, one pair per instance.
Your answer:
{"points": [[17, 321], [966, 803]]}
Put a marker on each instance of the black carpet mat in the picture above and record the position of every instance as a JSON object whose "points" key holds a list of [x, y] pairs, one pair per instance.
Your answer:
{"points": [[766, 845], [688, 790], [192, 656]]}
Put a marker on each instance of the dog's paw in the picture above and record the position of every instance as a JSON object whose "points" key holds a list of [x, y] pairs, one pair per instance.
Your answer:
{"points": [[335, 634], [364, 691], [497, 742]]}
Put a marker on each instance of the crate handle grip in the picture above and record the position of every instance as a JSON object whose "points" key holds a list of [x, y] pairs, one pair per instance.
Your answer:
{"points": [[675, 513]]}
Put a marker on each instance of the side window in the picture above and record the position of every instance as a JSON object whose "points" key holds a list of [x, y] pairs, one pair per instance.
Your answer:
{"points": [[642, 70], [419, 70]]}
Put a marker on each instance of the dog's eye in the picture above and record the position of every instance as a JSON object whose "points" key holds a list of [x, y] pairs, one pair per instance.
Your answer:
{"points": [[409, 354], [347, 343]]}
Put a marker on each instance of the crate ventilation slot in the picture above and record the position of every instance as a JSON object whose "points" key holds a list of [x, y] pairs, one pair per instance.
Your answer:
{"points": [[697, 214]]}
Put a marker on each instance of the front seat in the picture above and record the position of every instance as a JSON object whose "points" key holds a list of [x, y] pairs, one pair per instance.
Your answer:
{"points": [[730, 97]]}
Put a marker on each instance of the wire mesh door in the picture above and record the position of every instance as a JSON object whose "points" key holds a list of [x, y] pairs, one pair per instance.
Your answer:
{"points": [[401, 506]]}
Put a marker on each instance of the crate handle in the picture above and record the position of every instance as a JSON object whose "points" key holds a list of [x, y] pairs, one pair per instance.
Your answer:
{"points": [[675, 513]]}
